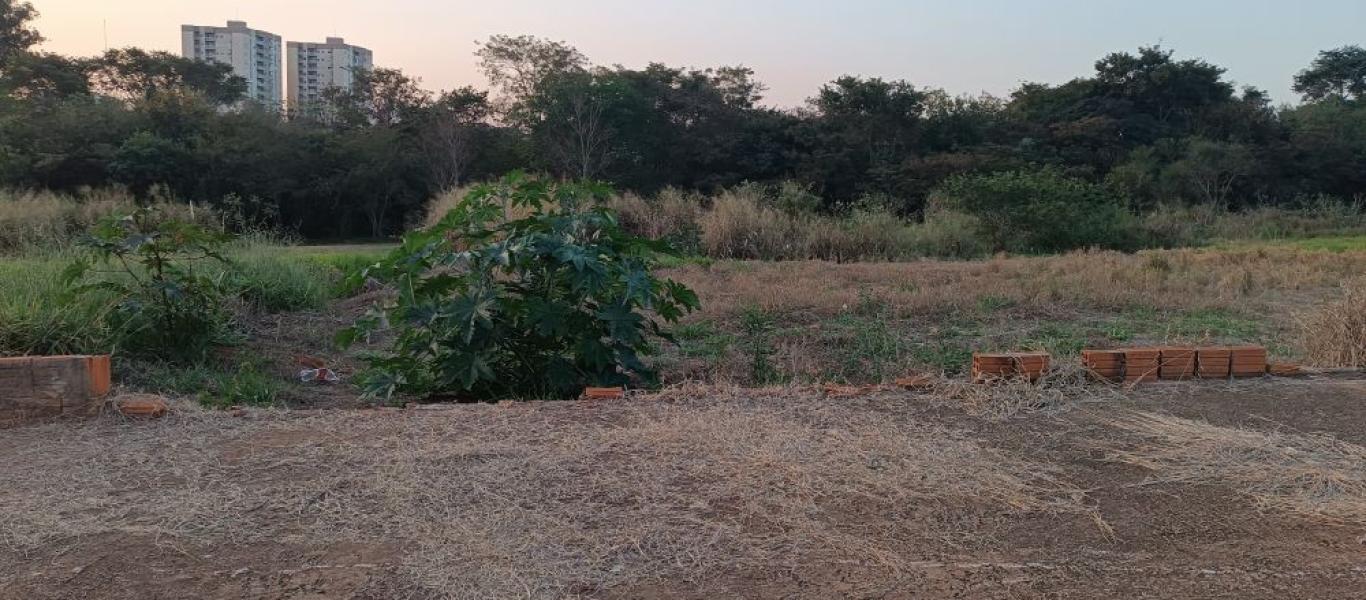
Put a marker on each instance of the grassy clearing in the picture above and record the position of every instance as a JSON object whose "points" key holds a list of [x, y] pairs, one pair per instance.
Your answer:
{"points": [[1312, 475], [867, 322], [37, 316]]}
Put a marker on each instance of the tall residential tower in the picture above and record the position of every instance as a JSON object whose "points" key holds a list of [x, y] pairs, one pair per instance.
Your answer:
{"points": [[314, 67], [253, 54]]}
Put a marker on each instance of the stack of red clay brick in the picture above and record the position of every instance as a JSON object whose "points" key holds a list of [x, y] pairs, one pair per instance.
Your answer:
{"points": [[42, 387], [1136, 365], [1008, 365]]}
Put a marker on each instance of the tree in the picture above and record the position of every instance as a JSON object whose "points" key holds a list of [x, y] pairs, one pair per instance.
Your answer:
{"points": [[574, 128], [1151, 83], [863, 129], [16, 36], [1210, 169], [134, 74], [1340, 73], [146, 159], [519, 65], [378, 97], [44, 77], [449, 133]]}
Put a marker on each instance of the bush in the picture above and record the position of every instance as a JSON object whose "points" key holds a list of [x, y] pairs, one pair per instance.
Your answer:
{"points": [[163, 306], [1335, 334], [1039, 211], [672, 215], [538, 306]]}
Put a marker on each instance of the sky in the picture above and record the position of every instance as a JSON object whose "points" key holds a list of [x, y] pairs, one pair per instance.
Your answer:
{"points": [[794, 46]]}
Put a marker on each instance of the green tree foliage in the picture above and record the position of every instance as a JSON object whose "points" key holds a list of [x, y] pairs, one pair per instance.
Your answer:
{"points": [[1155, 127], [16, 34], [538, 306], [145, 265], [135, 74], [378, 97], [1336, 73], [1038, 211]]}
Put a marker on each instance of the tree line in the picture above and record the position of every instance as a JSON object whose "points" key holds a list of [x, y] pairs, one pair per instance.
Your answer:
{"points": [[1149, 127]]}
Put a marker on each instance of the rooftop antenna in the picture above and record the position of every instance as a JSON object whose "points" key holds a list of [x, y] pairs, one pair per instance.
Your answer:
{"points": [[104, 25]]}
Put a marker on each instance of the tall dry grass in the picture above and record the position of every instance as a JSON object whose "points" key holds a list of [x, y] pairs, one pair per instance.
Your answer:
{"points": [[776, 222], [783, 222], [1194, 225], [1335, 334], [672, 214], [1248, 280], [34, 221]]}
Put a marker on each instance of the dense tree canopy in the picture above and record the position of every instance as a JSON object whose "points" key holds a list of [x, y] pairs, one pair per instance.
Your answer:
{"points": [[1150, 127]]}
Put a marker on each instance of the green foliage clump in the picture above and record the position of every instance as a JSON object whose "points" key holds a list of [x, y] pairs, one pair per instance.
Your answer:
{"points": [[146, 265], [1039, 211], [536, 306], [757, 326]]}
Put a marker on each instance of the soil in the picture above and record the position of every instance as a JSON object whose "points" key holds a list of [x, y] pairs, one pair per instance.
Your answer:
{"points": [[1202, 539]]}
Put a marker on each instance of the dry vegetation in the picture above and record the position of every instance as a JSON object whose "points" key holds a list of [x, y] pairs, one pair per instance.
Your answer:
{"points": [[870, 322], [1317, 476], [719, 491], [1335, 334], [45, 222], [534, 500], [1176, 279]]}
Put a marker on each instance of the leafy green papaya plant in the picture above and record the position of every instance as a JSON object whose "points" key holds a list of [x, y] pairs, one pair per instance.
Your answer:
{"points": [[527, 288], [145, 265]]}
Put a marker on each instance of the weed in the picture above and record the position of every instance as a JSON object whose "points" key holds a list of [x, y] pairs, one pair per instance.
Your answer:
{"points": [[756, 340], [702, 340], [213, 385], [164, 305], [991, 303], [1211, 323], [1117, 331], [869, 351], [1059, 339], [945, 356]]}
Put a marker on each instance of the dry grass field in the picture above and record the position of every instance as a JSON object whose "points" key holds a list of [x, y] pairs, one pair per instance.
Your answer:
{"points": [[1248, 490], [869, 322]]}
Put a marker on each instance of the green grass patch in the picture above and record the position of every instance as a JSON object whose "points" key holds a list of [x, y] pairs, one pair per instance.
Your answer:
{"points": [[702, 340], [1336, 244], [1059, 339], [215, 386]]}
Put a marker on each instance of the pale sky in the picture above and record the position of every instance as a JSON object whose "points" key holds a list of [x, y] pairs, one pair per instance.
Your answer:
{"points": [[963, 46]]}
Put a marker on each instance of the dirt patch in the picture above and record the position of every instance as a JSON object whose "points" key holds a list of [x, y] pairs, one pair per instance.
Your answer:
{"points": [[694, 493]]}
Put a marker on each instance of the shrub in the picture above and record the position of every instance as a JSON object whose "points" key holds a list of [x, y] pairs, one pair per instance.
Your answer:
{"points": [[741, 225], [536, 306], [163, 306], [1039, 211], [672, 215]]}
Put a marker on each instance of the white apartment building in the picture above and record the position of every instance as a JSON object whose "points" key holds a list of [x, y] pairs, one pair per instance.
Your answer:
{"points": [[253, 54], [314, 67]]}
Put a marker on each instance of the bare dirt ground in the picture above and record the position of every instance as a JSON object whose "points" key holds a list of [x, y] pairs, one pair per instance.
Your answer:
{"points": [[1192, 490]]}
